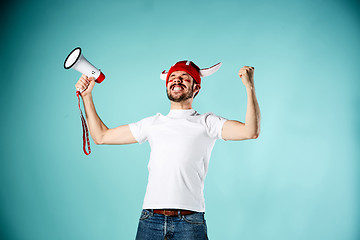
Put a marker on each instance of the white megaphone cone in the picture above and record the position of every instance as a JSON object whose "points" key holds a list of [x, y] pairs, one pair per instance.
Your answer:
{"points": [[77, 61]]}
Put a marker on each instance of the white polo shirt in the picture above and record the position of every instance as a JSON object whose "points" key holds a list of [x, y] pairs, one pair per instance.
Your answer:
{"points": [[181, 144]]}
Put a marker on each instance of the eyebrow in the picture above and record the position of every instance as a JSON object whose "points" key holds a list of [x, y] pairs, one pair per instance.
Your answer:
{"points": [[180, 75]]}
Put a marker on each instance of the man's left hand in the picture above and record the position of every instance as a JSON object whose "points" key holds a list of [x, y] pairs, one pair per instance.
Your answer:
{"points": [[246, 74]]}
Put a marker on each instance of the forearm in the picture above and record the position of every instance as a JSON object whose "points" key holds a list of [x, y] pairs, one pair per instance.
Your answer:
{"points": [[96, 127], [252, 120]]}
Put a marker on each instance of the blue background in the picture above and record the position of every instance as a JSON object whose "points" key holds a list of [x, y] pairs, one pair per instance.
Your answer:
{"points": [[298, 180]]}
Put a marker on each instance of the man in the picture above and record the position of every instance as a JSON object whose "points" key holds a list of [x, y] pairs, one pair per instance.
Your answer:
{"points": [[181, 144]]}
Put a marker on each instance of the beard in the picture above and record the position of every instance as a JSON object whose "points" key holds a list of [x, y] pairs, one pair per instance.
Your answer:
{"points": [[183, 97]]}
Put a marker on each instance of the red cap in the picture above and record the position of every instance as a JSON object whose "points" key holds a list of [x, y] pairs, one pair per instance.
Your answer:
{"points": [[187, 66], [100, 78]]}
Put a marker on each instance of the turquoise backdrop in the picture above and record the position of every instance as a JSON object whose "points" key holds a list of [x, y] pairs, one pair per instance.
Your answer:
{"points": [[299, 180]]}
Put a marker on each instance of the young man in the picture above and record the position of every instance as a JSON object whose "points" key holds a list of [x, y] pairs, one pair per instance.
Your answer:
{"points": [[181, 144]]}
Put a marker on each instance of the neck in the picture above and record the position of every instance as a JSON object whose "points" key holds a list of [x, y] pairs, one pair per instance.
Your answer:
{"points": [[184, 105]]}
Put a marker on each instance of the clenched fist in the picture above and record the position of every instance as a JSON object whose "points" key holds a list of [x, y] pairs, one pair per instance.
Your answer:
{"points": [[85, 83], [246, 74]]}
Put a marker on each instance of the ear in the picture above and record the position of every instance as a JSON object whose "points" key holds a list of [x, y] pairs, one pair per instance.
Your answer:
{"points": [[196, 90], [196, 87]]}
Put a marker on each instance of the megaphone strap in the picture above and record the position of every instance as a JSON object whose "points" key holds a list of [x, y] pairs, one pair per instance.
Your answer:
{"points": [[85, 129]]}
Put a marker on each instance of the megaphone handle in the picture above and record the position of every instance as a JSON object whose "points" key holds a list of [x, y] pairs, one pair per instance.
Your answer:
{"points": [[80, 90]]}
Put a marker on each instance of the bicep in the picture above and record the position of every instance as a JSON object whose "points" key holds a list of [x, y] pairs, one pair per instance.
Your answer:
{"points": [[119, 135], [234, 130]]}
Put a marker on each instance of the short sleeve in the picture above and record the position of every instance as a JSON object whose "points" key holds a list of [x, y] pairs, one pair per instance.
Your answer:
{"points": [[139, 129], [214, 125]]}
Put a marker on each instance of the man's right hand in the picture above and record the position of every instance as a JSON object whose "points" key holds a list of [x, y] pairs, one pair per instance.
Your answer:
{"points": [[85, 83]]}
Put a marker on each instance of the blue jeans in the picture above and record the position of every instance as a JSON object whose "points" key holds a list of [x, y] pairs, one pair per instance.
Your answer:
{"points": [[153, 226]]}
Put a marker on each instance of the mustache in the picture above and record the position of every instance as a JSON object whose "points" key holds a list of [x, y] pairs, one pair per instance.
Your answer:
{"points": [[177, 84]]}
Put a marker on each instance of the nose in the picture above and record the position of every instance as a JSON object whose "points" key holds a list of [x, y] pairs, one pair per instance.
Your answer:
{"points": [[178, 80]]}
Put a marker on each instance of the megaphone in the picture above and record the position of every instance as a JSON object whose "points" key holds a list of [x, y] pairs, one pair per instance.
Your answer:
{"points": [[77, 61]]}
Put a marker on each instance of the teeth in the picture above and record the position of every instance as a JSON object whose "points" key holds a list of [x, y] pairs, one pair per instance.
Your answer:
{"points": [[177, 88]]}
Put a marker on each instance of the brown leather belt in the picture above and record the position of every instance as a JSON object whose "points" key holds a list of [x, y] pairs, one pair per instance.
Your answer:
{"points": [[173, 212]]}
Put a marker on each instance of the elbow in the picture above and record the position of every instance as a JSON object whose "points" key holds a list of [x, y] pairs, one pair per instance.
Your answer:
{"points": [[98, 141], [256, 135]]}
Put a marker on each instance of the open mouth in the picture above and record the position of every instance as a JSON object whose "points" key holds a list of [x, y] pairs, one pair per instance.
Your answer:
{"points": [[177, 88]]}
